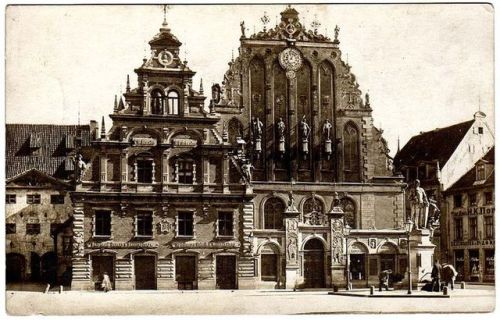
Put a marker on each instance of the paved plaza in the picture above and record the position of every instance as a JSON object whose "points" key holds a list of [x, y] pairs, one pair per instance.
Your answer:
{"points": [[472, 299]]}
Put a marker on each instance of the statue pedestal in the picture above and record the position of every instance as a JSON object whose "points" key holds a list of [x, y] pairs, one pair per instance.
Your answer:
{"points": [[292, 273], [422, 253]]}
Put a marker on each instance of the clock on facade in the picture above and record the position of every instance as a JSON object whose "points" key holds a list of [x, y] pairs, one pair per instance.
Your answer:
{"points": [[290, 59], [165, 58]]}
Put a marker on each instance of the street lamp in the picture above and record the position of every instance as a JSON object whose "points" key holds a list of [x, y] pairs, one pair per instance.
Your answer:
{"points": [[347, 231], [408, 228]]}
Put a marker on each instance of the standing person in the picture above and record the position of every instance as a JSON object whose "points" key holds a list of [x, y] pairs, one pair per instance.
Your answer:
{"points": [[436, 277], [449, 275], [383, 280], [106, 283]]}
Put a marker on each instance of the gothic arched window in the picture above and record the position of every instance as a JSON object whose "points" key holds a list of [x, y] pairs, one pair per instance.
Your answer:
{"points": [[349, 212], [157, 101], [173, 102], [314, 212], [273, 214], [351, 153]]}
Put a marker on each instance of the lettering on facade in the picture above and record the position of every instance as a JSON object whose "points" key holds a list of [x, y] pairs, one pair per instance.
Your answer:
{"points": [[474, 211], [205, 245], [143, 142], [184, 142], [121, 245], [488, 242]]}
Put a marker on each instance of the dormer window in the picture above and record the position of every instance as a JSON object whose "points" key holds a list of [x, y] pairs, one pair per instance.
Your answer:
{"points": [[157, 101], [480, 130], [173, 102], [480, 172]]}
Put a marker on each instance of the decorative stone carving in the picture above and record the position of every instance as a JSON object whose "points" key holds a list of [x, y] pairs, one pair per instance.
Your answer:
{"points": [[165, 225], [305, 133], [78, 243], [247, 168], [80, 167], [280, 125]]}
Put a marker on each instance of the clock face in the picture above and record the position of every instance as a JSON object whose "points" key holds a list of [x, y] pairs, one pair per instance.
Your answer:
{"points": [[165, 58], [290, 59]]}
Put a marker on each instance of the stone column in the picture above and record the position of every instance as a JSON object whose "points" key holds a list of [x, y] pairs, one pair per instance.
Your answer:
{"points": [[337, 244], [165, 170], [81, 265], [124, 170], [291, 244], [225, 173]]}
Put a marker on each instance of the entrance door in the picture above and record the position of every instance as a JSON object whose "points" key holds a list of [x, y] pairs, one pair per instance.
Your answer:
{"points": [[35, 267], [226, 272], [15, 264], [101, 264], [49, 268], [185, 272], [145, 275], [314, 264]]}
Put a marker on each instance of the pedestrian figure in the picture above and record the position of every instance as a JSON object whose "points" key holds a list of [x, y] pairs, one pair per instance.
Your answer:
{"points": [[106, 283], [383, 278], [436, 277], [449, 275]]}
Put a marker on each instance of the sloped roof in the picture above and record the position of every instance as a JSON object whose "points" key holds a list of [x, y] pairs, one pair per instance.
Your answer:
{"points": [[438, 144], [468, 179], [47, 154]]}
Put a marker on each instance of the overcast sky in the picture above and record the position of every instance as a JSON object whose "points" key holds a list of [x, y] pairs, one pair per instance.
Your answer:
{"points": [[425, 66]]}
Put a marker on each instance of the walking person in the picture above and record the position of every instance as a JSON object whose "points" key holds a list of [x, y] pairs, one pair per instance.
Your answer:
{"points": [[383, 278], [449, 275], [106, 283], [436, 277]]}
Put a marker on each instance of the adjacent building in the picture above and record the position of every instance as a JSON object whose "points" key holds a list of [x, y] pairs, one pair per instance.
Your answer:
{"points": [[438, 159], [470, 222], [38, 209]]}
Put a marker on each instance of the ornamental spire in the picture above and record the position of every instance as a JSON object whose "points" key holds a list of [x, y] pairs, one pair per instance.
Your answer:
{"points": [[115, 108], [164, 25], [103, 129], [127, 88], [201, 86], [265, 20]]}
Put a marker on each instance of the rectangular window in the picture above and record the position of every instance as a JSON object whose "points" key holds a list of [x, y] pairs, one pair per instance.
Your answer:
{"points": [[67, 246], [459, 229], [457, 201], [54, 227], [488, 197], [185, 224], [145, 171], [185, 172], [269, 267], [33, 228], [102, 223], [489, 263], [56, 199], [10, 198], [145, 224], [480, 172], [10, 228], [472, 199], [489, 226], [33, 199], [225, 224], [473, 228]]}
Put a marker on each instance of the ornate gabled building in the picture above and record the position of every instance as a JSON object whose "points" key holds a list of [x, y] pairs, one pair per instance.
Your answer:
{"points": [[291, 105], [154, 207], [246, 193]]}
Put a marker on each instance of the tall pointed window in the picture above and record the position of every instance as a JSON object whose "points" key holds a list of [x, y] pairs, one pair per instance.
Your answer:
{"points": [[157, 101], [273, 214], [173, 102], [351, 153]]}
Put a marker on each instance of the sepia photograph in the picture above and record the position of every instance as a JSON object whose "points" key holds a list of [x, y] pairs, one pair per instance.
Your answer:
{"points": [[249, 159]]}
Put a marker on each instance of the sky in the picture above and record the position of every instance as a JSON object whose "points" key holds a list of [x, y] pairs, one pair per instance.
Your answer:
{"points": [[424, 66]]}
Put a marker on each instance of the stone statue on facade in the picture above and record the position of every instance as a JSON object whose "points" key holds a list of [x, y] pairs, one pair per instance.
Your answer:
{"points": [[257, 127], [242, 26], [281, 129], [80, 167], [305, 131], [419, 206], [291, 203], [247, 170], [327, 129]]}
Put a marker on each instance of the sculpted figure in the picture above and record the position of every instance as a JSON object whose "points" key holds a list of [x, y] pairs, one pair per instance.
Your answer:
{"points": [[257, 126], [80, 167], [247, 170], [281, 128], [306, 130], [327, 128], [419, 206], [242, 26]]}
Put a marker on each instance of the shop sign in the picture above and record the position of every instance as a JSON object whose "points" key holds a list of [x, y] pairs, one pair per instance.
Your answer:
{"points": [[184, 142], [473, 242], [121, 245], [205, 245], [474, 211]]}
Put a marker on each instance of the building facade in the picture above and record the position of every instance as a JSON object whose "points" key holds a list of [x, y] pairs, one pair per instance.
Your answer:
{"points": [[39, 171], [256, 191], [470, 220], [438, 159]]}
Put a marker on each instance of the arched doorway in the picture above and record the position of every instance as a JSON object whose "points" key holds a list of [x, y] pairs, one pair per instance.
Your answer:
{"points": [[35, 267], [49, 267], [314, 264], [15, 267]]}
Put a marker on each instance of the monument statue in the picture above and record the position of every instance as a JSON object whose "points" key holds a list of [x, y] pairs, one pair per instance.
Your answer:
{"points": [[327, 128], [281, 129], [419, 206], [257, 126], [306, 130], [247, 170]]}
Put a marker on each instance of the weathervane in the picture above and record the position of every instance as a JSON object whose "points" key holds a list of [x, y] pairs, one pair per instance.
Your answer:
{"points": [[265, 20], [165, 24], [315, 24]]}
